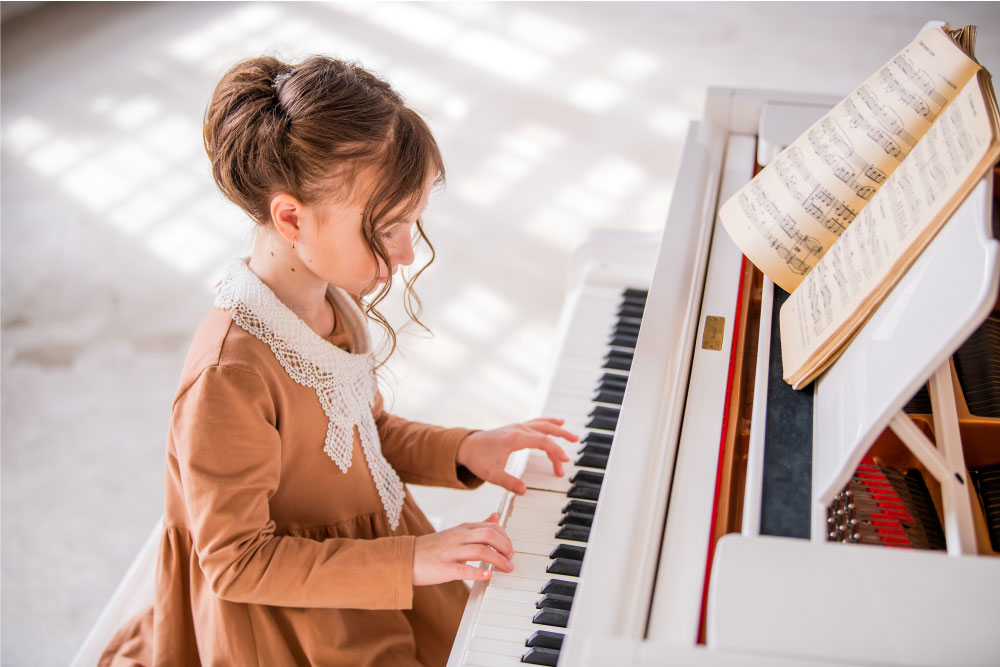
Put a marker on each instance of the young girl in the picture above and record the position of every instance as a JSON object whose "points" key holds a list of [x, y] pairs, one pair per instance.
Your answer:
{"points": [[288, 535]]}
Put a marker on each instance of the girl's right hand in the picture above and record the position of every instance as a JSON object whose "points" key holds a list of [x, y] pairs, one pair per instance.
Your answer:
{"points": [[441, 557]]}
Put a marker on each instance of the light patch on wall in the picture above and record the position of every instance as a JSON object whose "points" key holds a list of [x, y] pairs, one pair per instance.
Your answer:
{"points": [[415, 23], [615, 177], [670, 121], [632, 65], [545, 33], [499, 56], [187, 245], [595, 94], [477, 311], [132, 113], [24, 134]]}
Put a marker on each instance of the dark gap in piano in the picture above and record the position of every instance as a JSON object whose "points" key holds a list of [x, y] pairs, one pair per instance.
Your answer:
{"points": [[787, 483]]}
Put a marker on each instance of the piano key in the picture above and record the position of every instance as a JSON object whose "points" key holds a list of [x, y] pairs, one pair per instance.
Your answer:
{"points": [[597, 449], [592, 460], [568, 552], [583, 492], [555, 601], [594, 438], [518, 621], [545, 639], [624, 340], [580, 506], [479, 659], [604, 411], [555, 617], [574, 532], [531, 566], [504, 606], [496, 647], [589, 477], [514, 635], [577, 519], [511, 594], [570, 568], [559, 586], [513, 582], [617, 361], [541, 656], [630, 310], [606, 423], [610, 397]]}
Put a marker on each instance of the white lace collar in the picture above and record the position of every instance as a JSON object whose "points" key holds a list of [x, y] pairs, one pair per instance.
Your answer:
{"points": [[344, 382]]}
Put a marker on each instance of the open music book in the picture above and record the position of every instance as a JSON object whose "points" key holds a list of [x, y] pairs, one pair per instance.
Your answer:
{"points": [[842, 213]]}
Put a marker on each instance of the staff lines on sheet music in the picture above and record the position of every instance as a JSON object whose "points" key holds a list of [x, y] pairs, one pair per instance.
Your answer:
{"points": [[856, 119], [831, 144], [799, 251], [885, 115], [832, 213], [921, 78], [907, 97]]}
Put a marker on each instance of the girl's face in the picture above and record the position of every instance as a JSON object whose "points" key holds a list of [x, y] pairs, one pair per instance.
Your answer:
{"points": [[332, 245]]}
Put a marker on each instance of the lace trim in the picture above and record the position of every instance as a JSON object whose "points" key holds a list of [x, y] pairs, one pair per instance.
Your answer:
{"points": [[344, 382]]}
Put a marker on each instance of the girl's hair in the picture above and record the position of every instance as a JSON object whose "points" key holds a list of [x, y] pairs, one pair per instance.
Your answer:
{"points": [[308, 130]]}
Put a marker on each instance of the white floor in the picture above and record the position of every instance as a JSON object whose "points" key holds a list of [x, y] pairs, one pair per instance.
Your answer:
{"points": [[554, 119]]}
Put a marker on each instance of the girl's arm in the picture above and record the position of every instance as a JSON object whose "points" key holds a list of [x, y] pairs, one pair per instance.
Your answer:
{"points": [[422, 453], [229, 457]]}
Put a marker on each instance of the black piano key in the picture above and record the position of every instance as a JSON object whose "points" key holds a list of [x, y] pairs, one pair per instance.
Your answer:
{"points": [[621, 354], [635, 300], [631, 310], [614, 397], [626, 328], [597, 439], [545, 639], [592, 460], [565, 566], [603, 423], [556, 617], [628, 319], [583, 492], [554, 601], [617, 363], [624, 340], [541, 656], [576, 519], [580, 507], [598, 450], [590, 477], [609, 380], [635, 291], [605, 411], [560, 587], [573, 532], [568, 552]]}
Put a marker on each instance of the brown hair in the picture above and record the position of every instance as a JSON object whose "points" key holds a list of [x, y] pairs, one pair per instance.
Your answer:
{"points": [[307, 130]]}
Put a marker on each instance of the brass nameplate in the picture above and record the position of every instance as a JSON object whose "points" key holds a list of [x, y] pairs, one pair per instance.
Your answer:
{"points": [[715, 328]]}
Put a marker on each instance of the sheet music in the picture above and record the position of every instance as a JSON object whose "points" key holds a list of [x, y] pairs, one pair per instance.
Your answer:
{"points": [[888, 233], [794, 210]]}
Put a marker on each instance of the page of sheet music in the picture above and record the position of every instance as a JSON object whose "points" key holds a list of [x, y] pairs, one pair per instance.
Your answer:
{"points": [[795, 209], [870, 252]]}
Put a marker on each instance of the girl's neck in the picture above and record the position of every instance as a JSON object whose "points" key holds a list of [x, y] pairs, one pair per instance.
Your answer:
{"points": [[278, 267]]}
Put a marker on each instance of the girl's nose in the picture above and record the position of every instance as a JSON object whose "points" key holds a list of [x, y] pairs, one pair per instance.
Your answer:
{"points": [[402, 252]]}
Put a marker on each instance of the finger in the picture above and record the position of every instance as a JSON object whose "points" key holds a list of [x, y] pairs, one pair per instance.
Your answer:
{"points": [[479, 552], [550, 420], [511, 483], [550, 429], [493, 518], [494, 537], [551, 449], [471, 572]]}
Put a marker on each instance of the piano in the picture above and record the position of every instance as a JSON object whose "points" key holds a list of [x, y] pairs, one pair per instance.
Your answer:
{"points": [[714, 516]]}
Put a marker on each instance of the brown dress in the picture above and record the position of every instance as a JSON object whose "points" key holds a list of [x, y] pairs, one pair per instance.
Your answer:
{"points": [[270, 554]]}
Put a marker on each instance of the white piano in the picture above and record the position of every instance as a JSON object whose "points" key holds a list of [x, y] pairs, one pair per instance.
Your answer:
{"points": [[696, 528]]}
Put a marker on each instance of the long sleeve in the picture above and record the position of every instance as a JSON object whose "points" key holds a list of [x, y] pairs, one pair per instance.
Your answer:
{"points": [[229, 459], [423, 453]]}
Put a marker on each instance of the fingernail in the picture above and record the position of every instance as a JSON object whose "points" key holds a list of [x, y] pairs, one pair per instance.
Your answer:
{"points": [[486, 574], [510, 566]]}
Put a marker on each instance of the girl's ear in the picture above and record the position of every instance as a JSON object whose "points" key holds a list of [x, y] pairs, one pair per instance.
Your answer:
{"points": [[286, 211]]}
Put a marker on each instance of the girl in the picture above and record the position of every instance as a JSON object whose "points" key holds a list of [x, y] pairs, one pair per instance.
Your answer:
{"points": [[288, 536]]}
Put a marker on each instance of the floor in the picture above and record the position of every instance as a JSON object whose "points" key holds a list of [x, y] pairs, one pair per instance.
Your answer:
{"points": [[554, 119]]}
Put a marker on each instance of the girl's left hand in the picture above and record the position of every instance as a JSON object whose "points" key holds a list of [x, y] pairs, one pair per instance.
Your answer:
{"points": [[485, 453]]}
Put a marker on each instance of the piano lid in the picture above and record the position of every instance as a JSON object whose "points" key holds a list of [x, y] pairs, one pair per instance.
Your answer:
{"points": [[945, 295]]}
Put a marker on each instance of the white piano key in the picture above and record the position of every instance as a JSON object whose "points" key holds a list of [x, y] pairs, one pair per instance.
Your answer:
{"points": [[531, 566], [501, 634], [512, 594], [497, 647], [479, 659], [543, 501], [512, 582], [515, 621], [507, 606]]}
